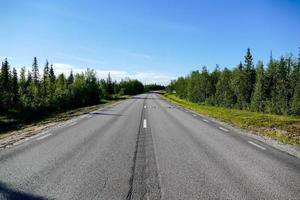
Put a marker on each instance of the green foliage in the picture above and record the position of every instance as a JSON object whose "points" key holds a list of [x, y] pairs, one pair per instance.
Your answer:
{"points": [[131, 87], [32, 93], [283, 128], [5, 89], [272, 90], [258, 98], [224, 93], [153, 87]]}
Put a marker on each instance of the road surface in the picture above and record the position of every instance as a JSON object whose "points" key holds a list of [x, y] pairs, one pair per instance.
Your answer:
{"points": [[146, 148]]}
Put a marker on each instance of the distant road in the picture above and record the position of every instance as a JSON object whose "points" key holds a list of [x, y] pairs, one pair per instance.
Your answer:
{"points": [[146, 148]]}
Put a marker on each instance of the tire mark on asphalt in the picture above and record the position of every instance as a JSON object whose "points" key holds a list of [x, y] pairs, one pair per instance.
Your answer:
{"points": [[144, 182]]}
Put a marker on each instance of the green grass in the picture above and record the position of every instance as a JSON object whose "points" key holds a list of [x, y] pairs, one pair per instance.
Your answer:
{"points": [[285, 129], [10, 125]]}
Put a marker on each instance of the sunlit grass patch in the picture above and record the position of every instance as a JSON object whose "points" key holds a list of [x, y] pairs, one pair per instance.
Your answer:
{"points": [[285, 129]]}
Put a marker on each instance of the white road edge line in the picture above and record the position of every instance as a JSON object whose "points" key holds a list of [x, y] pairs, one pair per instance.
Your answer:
{"points": [[145, 123], [145, 107], [205, 120], [223, 129], [194, 115], [186, 111], [44, 136], [258, 146]]}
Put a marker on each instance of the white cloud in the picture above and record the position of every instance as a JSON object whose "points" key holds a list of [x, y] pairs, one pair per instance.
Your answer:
{"points": [[146, 77]]}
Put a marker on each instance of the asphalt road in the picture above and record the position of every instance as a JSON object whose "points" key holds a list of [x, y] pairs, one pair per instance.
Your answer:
{"points": [[146, 148]]}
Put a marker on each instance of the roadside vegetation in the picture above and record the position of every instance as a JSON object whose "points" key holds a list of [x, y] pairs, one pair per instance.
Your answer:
{"points": [[274, 88], [264, 99], [286, 129], [30, 96]]}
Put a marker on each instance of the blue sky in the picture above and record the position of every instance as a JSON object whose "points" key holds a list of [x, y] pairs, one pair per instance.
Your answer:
{"points": [[154, 41]]}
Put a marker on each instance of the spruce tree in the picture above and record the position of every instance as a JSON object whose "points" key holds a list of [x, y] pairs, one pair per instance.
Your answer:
{"points": [[250, 75], [70, 78], [45, 85], [109, 85], [5, 85], [51, 86], [257, 102], [22, 86], [35, 71], [14, 88]]}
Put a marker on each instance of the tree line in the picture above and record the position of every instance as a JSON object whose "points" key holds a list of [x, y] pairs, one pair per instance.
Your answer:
{"points": [[274, 88], [35, 92]]}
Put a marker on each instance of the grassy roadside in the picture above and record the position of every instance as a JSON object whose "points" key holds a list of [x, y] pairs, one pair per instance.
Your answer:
{"points": [[9, 126], [285, 129]]}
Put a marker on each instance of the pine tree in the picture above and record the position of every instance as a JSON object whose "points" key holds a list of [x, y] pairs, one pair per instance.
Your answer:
{"points": [[250, 75], [70, 78], [35, 71], [36, 88], [22, 86], [46, 71], [45, 85], [257, 102], [5, 86], [14, 88], [109, 85], [51, 85], [27, 98]]}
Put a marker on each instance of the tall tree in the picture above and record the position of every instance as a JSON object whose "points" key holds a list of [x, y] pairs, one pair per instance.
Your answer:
{"points": [[224, 94], [5, 86], [14, 88], [240, 86], [250, 75], [258, 98], [45, 84], [51, 85], [70, 78], [109, 85], [35, 71]]}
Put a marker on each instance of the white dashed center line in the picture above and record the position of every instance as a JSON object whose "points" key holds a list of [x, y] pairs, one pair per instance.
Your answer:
{"points": [[223, 129], [257, 145], [145, 123], [44, 136], [145, 107]]}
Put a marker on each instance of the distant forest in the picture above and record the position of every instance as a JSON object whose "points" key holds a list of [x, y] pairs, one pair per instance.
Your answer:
{"points": [[274, 88], [35, 92]]}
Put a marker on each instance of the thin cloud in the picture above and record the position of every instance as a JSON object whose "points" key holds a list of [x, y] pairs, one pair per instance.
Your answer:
{"points": [[81, 59], [147, 77], [134, 54]]}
